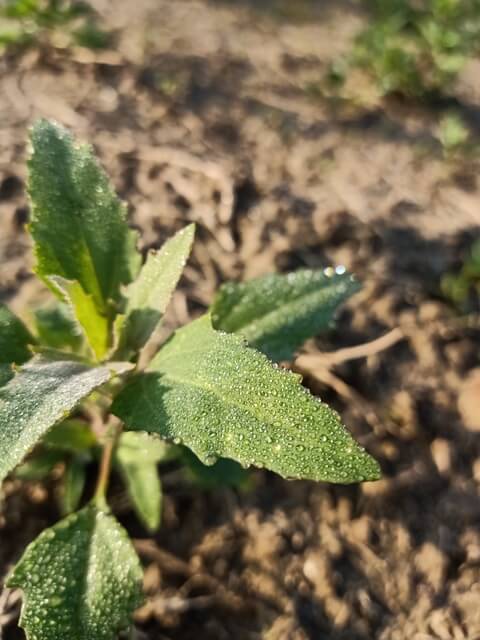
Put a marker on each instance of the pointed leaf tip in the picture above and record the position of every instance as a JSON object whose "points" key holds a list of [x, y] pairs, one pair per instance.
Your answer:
{"points": [[78, 223]]}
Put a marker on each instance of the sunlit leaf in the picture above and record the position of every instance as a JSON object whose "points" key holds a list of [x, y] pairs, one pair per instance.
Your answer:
{"points": [[220, 398]]}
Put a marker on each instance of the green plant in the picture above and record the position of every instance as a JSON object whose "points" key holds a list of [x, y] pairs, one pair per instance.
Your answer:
{"points": [[464, 285], [415, 47], [24, 21], [73, 391], [453, 134]]}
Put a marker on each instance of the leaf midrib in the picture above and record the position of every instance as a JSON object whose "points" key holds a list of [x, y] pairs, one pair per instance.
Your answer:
{"points": [[206, 389]]}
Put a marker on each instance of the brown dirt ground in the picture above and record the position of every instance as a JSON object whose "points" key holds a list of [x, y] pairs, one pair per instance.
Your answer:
{"points": [[201, 113]]}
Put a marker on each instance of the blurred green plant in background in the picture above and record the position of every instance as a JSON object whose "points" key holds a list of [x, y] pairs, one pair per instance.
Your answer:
{"points": [[24, 22], [463, 288], [453, 133], [415, 47]]}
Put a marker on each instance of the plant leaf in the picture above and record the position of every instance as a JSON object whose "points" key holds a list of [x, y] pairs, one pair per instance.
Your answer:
{"points": [[78, 223], [220, 398], [72, 436], [81, 579], [137, 456], [14, 338], [277, 313], [95, 324], [149, 295], [41, 394], [73, 483], [56, 326]]}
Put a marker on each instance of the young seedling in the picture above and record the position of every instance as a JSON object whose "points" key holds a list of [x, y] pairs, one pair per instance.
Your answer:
{"points": [[210, 388]]}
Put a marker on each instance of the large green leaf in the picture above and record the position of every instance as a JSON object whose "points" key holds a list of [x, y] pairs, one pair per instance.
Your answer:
{"points": [[78, 223], [14, 338], [81, 579], [277, 313], [149, 295], [211, 392], [137, 456], [42, 393]]}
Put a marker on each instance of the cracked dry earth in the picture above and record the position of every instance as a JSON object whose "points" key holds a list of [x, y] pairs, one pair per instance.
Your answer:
{"points": [[200, 113]]}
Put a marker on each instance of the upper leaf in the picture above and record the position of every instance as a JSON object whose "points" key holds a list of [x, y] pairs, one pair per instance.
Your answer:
{"points": [[277, 313], [14, 338], [78, 223], [149, 295], [81, 579], [217, 396], [41, 394]]}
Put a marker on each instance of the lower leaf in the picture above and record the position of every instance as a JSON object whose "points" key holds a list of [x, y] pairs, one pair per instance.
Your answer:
{"points": [[81, 579]]}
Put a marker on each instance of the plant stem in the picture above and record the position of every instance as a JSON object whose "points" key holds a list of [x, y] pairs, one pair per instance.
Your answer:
{"points": [[113, 433]]}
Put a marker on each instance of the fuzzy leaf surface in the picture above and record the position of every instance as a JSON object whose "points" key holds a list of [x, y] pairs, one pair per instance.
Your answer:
{"points": [[81, 579], [149, 295], [137, 456], [14, 338], [78, 223], [277, 313], [212, 393], [42, 393]]}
